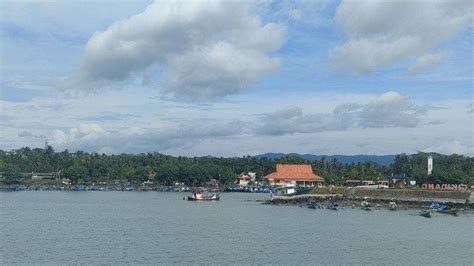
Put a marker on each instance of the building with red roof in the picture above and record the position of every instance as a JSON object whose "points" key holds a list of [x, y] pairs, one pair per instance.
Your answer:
{"points": [[294, 175]]}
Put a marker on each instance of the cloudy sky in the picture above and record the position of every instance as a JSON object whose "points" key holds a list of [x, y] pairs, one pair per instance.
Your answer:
{"points": [[231, 78]]}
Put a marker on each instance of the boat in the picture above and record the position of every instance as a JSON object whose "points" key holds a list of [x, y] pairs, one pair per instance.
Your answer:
{"points": [[443, 208], [392, 206], [426, 213], [199, 194], [449, 211], [331, 206], [365, 205]]}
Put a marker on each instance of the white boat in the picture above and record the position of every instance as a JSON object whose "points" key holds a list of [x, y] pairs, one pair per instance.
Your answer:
{"points": [[373, 187], [392, 206], [201, 194], [365, 205]]}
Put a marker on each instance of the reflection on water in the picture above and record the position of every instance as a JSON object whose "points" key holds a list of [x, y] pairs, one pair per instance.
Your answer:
{"points": [[153, 227]]}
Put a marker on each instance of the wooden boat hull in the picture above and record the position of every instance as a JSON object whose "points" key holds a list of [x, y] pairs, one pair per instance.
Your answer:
{"points": [[451, 212], [194, 199], [213, 198]]}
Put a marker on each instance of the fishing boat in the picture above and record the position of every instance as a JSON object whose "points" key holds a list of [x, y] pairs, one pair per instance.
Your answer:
{"points": [[426, 213], [392, 206], [444, 208], [449, 211], [331, 206], [365, 205], [199, 194]]}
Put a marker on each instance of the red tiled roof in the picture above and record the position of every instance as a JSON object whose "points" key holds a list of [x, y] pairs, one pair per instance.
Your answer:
{"points": [[294, 172]]}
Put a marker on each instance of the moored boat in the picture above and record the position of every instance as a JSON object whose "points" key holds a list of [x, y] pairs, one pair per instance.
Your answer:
{"points": [[444, 208], [365, 205], [392, 206], [330, 205], [449, 211], [202, 195], [426, 213]]}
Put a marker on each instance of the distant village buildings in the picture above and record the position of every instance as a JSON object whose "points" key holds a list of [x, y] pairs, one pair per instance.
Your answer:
{"points": [[246, 177], [300, 175]]}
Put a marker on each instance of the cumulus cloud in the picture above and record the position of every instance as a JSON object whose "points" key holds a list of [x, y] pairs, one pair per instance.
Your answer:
{"points": [[382, 33], [93, 137], [389, 110], [292, 120], [84, 132], [426, 62], [202, 49]]}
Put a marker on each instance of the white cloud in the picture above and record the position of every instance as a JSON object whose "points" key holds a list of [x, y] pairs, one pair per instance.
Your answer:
{"points": [[427, 62], [204, 49], [92, 137], [389, 110], [84, 132], [382, 33], [292, 120]]}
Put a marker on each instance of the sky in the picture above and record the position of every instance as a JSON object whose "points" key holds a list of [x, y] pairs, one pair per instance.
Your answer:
{"points": [[233, 78]]}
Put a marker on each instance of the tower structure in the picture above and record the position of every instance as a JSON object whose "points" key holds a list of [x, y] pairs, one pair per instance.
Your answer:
{"points": [[430, 165]]}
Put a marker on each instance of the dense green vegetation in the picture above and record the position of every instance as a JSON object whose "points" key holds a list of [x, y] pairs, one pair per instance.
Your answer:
{"points": [[164, 169]]}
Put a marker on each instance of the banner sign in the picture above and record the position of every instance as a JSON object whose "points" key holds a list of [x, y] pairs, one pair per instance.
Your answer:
{"points": [[456, 187]]}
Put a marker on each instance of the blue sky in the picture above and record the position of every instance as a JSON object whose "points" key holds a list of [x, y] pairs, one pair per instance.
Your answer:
{"points": [[231, 78]]}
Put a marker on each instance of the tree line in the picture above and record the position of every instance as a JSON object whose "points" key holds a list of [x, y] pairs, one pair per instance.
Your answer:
{"points": [[166, 170]]}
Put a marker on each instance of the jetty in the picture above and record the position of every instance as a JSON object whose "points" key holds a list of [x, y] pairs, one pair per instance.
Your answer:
{"points": [[407, 197]]}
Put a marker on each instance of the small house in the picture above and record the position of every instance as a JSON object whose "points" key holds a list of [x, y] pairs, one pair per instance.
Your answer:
{"points": [[246, 177]]}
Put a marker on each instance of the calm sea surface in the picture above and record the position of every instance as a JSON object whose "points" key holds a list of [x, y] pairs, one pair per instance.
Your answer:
{"points": [[155, 227]]}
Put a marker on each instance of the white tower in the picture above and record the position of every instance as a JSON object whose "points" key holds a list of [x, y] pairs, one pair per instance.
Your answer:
{"points": [[430, 165]]}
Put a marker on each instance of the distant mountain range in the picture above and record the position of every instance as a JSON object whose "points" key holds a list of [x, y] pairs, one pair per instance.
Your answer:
{"points": [[381, 159]]}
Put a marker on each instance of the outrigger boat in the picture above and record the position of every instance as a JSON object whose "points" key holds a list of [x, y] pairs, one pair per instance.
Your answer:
{"points": [[202, 195]]}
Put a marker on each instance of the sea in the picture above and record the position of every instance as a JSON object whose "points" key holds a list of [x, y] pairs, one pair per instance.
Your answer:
{"points": [[90, 227]]}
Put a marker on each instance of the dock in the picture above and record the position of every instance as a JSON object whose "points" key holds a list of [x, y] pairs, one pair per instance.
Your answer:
{"points": [[407, 197]]}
